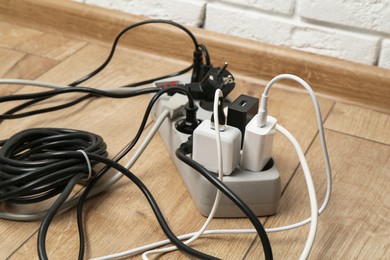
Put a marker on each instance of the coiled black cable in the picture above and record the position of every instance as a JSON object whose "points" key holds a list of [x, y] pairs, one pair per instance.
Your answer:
{"points": [[27, 175], [39, 163]]}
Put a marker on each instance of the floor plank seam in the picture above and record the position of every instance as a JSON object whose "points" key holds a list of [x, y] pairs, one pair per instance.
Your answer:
{"points": [[355, 136], [250, 247], [22, 244]]}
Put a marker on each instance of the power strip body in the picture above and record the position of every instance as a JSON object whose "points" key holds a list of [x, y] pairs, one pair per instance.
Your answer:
{"points": [[259, 190]]}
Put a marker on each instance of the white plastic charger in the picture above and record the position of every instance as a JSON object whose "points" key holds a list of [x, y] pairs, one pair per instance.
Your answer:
{"points": [[260, 190], [261, 137], [204, 143]]}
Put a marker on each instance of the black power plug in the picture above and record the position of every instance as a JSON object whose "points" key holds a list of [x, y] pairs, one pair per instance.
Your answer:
{"points": [[215, 78], [197, 70], [188, 124], [241, 111]]}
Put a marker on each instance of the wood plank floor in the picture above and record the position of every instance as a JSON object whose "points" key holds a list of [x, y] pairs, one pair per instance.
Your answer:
{"points": [[356, 225]]}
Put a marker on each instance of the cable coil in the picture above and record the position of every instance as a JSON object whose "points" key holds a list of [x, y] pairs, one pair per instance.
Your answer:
{"points": [[28, 171]]}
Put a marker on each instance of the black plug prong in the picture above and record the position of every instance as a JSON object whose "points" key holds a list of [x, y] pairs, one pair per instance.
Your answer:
{"points": [[222, 69]]}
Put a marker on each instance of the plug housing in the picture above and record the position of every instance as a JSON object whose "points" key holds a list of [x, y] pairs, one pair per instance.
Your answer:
{"points": [[175, 105], [241, 112], [215, 78], [190, 122], [205, 147], [257, 147]]}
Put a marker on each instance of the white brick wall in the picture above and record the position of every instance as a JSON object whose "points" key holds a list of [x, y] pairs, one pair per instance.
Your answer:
{"points": [[384, 60], [276, 6], [346, 29], [366, 14], [182, 11], [291, 33]]}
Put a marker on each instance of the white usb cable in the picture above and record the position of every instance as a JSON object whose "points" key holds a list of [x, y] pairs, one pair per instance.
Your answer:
{"points": [[214, 208], [309, 242]]}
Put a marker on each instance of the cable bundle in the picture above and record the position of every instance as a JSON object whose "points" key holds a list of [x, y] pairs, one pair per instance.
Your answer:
{"points": [[32, 168]]}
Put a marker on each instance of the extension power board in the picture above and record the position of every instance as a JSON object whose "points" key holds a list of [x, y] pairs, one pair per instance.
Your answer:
{"points": [[259, 190]]}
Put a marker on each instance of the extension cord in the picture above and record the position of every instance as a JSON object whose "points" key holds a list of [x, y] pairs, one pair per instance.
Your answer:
{"points": [[259, 190]]}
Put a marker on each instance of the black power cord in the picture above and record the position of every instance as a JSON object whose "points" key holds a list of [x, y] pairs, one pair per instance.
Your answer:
{"points": [[125, 151], [25, 146], [95, 157], [40, 162], [182, 152], [27, 175], [119, 36], [51, 93], [196, 66], [44, 227]]}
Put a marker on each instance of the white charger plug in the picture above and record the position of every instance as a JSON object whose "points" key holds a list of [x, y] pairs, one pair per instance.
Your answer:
{"points": [[205, 147], [258, 141]]}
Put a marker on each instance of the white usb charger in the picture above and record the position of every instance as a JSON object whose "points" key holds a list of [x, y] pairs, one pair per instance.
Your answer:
{"points": [[258, 141], [205, 146]]}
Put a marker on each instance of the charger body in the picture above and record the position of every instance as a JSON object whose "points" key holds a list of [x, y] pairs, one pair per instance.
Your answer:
{"points": [[258, 142], [205, 147]]}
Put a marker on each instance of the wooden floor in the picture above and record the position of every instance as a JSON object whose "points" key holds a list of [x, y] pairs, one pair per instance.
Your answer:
{"points": [[356, 224]]}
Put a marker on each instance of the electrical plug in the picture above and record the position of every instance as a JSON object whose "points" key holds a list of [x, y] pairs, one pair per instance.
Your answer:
{"points": [[197, 70], [204, 144], [190, 122], [241, 112], [175, 105], [215, 78], [258, 142]]}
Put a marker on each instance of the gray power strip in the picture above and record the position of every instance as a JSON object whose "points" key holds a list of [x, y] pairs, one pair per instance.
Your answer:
{"points": [[259, 190]]}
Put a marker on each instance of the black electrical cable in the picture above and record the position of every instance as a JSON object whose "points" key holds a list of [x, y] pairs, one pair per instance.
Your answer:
{"points": [[28, 176], [119, 36], [8, 151], [125, 151], [38, 155], [149, 81], [94, 91], [8, 114], [51, 93], [44, 227], [26, 185], [206, 54], [161, 220], [181, 153]]}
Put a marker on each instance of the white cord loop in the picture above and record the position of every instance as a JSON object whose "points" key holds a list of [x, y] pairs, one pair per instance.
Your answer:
{"points": [[88, 164]]}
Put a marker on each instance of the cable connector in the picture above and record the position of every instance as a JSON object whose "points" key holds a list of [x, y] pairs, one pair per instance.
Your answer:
{"points": [[263, 111], [258, 141], [197, 66], [221, 116], [190, 122], [216, 78], [204, 146], [175, 105]]}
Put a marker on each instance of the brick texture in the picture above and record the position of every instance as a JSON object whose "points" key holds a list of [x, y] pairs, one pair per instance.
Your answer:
{"points": [[346, 29], [277, 6], [294, 34], [384, 60], [365, 14], [182, 11]]}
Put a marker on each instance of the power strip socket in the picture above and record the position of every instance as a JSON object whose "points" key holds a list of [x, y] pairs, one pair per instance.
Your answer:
{"points": [[259, 190]]}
